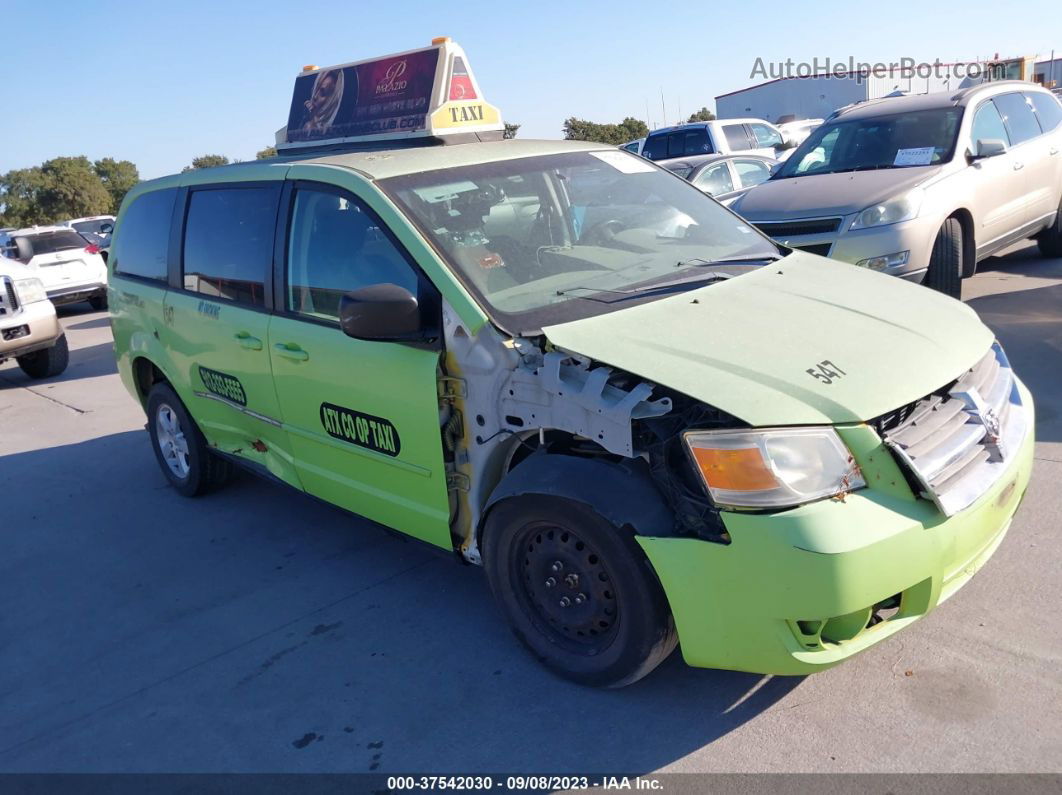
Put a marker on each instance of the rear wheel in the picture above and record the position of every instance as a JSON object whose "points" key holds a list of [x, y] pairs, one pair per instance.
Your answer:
{"points": [[1050, 240], [946, 261], [182, 452], [577, 591], [48, 362]]}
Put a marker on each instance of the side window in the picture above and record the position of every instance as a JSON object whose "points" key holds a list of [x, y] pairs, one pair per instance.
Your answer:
{"points": [[715, 179], [751, 172], [228, 242], [1018, 116], [988, 125], [696, 143], [336, 246], [765, 136], [736, 136], [142, 248], [1048, 110]]}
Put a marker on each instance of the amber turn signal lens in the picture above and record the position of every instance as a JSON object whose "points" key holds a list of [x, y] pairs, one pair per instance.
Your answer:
{"points": [[742, 469]]}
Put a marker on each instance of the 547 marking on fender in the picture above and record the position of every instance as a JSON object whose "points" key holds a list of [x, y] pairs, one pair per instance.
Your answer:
{"points": [[826, 371]]}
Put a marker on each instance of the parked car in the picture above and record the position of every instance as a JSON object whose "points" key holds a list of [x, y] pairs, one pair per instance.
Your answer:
{"points": [[29, 330], [70, 266], [721, 136], [797, 131], [724, 177], [923, 186], [99, 226], [634, 146], [648, 422]]}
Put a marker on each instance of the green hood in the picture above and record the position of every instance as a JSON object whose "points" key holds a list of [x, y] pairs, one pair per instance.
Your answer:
{"points": [[745, 345]]}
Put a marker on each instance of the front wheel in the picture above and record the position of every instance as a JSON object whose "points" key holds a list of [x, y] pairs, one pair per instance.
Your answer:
{"points": [[180, 448], [946, 261], [48, 362], [577, 591]]}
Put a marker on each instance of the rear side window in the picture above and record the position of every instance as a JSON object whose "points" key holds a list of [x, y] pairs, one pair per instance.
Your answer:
{"points": [[1048, 110], [751, 172], [655, 147], [988, 125], [228, 242], [736, 136], [51, 242], [1018, 116], [142, 248]]}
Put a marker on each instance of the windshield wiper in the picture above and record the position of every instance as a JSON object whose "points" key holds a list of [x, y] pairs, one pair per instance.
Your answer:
{"points": [[700, 262], [698, 277]]}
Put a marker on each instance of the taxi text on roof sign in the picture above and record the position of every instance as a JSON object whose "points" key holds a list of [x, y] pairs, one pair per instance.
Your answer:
{"points": [[416, 94]]}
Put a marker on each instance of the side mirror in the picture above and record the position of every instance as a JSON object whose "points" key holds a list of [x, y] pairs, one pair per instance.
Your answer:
{"points": [[989, 147], [775, 169], [384, 312], [23, 249]]}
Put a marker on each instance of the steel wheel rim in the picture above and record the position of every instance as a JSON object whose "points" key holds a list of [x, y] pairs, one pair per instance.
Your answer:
{"points": [[566, 588], [171, 440]]}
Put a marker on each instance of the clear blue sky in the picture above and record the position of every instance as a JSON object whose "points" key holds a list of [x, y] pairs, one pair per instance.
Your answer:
{"points": [[159, 84]]}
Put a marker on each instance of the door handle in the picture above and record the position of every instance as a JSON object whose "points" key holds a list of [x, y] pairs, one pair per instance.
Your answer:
{"points": [[291, 350], [1053, 150], [1018, 166], [247, 341]]}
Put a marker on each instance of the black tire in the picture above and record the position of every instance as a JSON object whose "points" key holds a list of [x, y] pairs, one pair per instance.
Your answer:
{"points": [[616, 627], [99, 302], [946, 261], [1050, 240], [48, 362], [202, 471]]}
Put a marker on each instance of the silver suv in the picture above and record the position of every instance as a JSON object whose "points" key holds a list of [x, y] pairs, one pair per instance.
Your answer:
{"points": [[923, 186]]}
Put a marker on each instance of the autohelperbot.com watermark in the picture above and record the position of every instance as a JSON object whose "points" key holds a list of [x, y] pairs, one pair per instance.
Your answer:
{"points": [[851, 68]]}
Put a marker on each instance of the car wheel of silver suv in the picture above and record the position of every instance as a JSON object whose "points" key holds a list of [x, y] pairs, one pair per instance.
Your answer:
{"points": [[945, 263], [1050, 240]]}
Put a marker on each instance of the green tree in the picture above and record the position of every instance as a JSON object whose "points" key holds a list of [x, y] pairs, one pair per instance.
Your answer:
{"points": [[510, 130], [19, 191], [71, 189], [702, 115], [263, 154], [615, 134], [206, 161], [117, 176]]}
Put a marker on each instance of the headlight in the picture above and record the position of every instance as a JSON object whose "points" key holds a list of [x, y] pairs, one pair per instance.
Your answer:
{"points": [[30, 290], [893, 211], [773, 468]]}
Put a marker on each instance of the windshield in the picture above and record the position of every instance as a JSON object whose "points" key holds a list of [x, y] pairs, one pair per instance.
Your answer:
{"points": [[919, 138], [538, 239]]}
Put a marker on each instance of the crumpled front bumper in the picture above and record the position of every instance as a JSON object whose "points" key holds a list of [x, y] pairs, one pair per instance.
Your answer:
{"points": [[789, 594]]}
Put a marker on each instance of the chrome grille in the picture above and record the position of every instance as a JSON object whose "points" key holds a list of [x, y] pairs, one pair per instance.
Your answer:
{"points": [[8, 299], [958, 443]]}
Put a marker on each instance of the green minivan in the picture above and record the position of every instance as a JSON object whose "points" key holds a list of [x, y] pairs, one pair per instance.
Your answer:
{"points": [[649, 423]]}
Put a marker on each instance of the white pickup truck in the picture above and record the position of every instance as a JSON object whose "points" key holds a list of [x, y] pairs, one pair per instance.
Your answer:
{"points": [[29, 329]]}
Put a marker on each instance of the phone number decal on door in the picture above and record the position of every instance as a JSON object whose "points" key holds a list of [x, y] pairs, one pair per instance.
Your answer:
{"points": [[364, 430]]}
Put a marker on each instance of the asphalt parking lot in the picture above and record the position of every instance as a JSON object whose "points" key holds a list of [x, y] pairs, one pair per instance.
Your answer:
{"points": [[258, 630]]}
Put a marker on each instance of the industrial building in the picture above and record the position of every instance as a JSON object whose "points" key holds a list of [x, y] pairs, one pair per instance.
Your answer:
{"points": [[817, 96]]}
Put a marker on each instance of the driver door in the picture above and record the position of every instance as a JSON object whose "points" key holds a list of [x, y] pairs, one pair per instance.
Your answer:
{"points": [[362, 415]]}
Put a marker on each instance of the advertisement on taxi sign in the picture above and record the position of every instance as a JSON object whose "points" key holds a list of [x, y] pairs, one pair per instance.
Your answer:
{"points": [[384, 96]]}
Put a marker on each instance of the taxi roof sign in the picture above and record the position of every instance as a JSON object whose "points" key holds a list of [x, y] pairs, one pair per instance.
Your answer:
{"points": [[426, 93]]}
